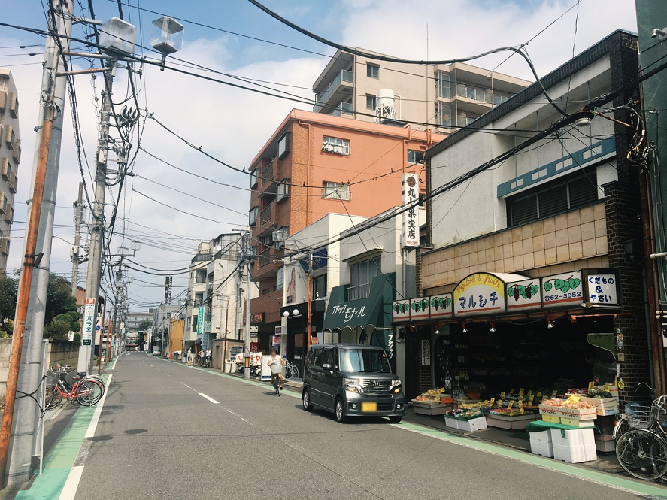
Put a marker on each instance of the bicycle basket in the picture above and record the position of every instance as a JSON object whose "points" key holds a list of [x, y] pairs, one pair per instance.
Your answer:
{"points": [[639, 417], [659, 410]]}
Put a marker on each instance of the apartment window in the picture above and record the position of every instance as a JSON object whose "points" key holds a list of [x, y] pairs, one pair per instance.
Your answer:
{"points": [[361, 276], [443, 84], [415, 156], [336, 191], [319, 287], [336, 145], [200, 276], [371, 102], [284, 145], [267, 240], [252, 215], [555, 197], [372, 71], [444, 115], [253, 179], [195, 321], [199, 299]]}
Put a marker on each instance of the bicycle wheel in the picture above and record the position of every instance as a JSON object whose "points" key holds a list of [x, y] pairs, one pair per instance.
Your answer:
{"points": [[53, 399], [88, 393], [288, 372], [642, 454], [295, 371], [96, 380]]}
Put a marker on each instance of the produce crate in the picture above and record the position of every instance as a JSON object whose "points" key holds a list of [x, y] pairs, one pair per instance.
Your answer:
{"points": [[472, 425], [552, 419], [605, 446], [574, 437], [550, 410], [575, 454], [573, 422], [577, 414], [607, 413], [515, 423], [451, 422], [431, 409], [541, 444]]}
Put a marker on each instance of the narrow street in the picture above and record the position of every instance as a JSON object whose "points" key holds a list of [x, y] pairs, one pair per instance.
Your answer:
{"points": [[169, 431]]}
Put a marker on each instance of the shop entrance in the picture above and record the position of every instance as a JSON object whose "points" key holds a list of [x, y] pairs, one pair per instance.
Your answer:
{"points": [[525, 354]]}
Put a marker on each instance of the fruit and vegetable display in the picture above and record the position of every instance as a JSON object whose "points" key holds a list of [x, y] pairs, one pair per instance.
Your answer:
{"points": [[465, 414], [434, 396]]}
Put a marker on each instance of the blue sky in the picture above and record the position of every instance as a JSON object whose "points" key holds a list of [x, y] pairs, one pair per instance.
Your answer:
{"points": [[233, 124]]}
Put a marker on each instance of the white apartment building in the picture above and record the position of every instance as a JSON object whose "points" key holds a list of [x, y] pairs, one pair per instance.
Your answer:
{"points": [[444, 96], [10, 157]]}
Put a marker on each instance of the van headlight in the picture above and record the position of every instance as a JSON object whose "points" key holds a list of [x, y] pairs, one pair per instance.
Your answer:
{"points": [[396, 385], [352, 385]]}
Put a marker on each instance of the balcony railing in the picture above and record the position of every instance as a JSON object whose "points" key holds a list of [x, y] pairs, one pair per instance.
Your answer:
{"points": [[344, 108], [265, 215], [487, 96], [267, 174], [343, 76], [264, 258]]}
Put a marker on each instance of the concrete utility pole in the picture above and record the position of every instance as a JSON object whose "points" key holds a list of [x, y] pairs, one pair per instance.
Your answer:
{"points": [[22, 416], [246, 373], [78, 215], [96, 248]]}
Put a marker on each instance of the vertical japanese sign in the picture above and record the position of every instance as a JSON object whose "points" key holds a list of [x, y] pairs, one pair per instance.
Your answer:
{"points": [[426, 352], [200, 321], [88, 322], [410, 236]]}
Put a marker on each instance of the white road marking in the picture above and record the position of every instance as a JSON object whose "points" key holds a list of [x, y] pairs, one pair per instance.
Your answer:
{"points": [[186, 385], [209, 398], [92, 427], [69, 490]]}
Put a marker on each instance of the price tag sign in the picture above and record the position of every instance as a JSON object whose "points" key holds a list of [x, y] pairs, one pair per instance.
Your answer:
{"points": [[590, 386], [502, 395], [574, 398], [510, 405], [492, 400], [553, 394], [530, 400]]}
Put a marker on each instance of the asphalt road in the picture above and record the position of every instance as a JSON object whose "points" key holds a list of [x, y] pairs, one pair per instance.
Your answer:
{"points": [[158, 437]]}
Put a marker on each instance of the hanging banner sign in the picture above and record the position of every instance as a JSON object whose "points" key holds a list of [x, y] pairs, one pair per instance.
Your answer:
{"points": [[88, 322], [200, 321], [441, 306], [401, 310], [524, 295], [410, 236], [563, 290], [480, 293], [601, 287], [420, 308]]}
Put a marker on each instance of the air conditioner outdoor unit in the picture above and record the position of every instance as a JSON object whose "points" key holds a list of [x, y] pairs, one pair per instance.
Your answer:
{"points": [[278, 235], [279, 245], [328, 147]]}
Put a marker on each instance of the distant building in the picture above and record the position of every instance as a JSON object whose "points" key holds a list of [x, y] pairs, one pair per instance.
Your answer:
{"points": [[442, 96], [135, 319], [10, 157], [347, 167]]}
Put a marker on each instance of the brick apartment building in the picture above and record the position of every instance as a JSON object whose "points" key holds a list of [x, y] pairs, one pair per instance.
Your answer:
{"points": [[315, 164]]}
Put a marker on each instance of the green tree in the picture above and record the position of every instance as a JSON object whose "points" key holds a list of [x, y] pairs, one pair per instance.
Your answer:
{"points": [[57, 330], [59, 298], [145, 325], [8, 293]]}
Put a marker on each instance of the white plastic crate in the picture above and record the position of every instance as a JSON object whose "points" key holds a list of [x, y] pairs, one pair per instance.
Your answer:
{"points": [[544, 448], [451, 422], [472, 425], [574, 437], [575, 454]]}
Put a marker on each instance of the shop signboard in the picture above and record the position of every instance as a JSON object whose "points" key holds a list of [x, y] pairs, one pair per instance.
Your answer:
{"points": [[441, 306], [426, 352], [257, 318], [401, 311], [601, 287], [524, 295], [88, 322], [419, 308], [410, 222], [479, 293], [200, 322], [563, 290]]}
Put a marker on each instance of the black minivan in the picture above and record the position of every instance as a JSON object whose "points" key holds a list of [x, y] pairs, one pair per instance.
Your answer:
{"points": [[352, 380]]}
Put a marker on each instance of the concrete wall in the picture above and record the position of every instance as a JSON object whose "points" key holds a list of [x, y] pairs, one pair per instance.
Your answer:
{"points": [[63, 352], [5, 350]]}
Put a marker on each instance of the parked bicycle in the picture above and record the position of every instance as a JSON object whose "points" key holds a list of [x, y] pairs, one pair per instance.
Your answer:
{"points": [[291, 371], [642, 448], [85, 391]]}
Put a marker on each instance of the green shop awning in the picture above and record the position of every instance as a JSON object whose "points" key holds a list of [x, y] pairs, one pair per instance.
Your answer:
{"points": [[374, 310]]}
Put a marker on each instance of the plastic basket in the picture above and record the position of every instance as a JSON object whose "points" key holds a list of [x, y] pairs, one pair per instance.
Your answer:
{"points": [[639, 416]]}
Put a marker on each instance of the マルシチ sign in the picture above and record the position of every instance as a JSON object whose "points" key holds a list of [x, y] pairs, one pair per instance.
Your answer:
{"points": [[479, 293]]}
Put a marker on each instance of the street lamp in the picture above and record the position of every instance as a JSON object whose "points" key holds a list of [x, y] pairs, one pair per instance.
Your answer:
{"points": [[118, 36], [166, 37]]}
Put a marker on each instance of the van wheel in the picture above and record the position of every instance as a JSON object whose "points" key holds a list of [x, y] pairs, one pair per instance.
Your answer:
{"points": [[395, 420], [338, 410], [305, 399]]}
